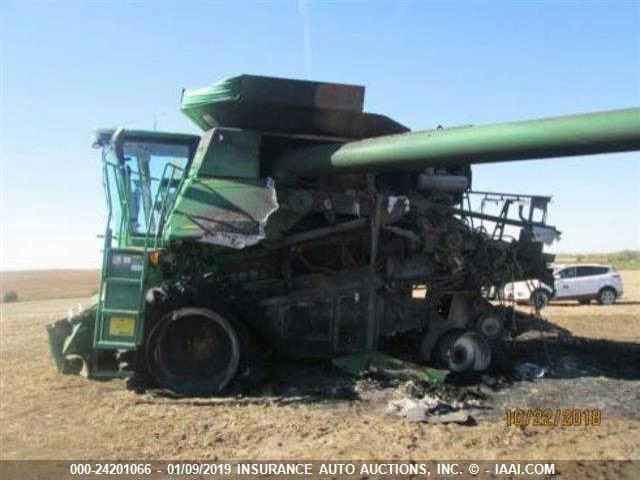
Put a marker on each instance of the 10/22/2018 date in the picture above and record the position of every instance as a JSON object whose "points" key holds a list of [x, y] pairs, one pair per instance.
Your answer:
{"points": [[553, 417]]}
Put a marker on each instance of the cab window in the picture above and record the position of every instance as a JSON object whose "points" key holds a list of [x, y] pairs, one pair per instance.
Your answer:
{"points": [[153, 171]]}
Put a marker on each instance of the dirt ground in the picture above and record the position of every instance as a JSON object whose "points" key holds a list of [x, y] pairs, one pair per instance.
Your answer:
{"points": [[45, 415], [50, 284]]}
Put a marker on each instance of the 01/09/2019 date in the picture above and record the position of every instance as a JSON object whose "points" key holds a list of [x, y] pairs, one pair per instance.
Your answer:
{"points": [[554, 417]]}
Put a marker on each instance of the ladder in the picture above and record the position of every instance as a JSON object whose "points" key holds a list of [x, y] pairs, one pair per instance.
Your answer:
{"points": [[120, 312]]}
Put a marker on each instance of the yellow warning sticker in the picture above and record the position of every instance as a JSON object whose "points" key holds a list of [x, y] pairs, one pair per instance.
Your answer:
{"points": [[124, 326]]}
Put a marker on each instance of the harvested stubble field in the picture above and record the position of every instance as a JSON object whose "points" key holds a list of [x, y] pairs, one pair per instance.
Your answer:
{"points": [[50, 284], [45, 415]]}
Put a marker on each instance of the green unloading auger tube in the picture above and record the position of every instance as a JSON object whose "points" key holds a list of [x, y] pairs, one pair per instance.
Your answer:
{"points": [[591, 133]]}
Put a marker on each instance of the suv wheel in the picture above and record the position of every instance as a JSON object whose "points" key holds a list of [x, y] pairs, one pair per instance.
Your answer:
{"points": [[607, 296], [539, 298]]}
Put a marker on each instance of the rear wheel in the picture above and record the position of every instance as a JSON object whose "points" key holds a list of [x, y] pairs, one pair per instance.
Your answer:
{"points": [[194, 351], [539, 298], [491, 325], [462, 351], [607, 296]]}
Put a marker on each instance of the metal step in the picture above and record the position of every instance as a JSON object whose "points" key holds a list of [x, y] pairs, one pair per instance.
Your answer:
{"points": [[132, 250], [117, 311], [106, 374], [118, 328], [122, 280], [120, 311]]}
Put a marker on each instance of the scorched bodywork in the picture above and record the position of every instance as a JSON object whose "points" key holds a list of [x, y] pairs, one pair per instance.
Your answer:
{"points": [[297, 223]]}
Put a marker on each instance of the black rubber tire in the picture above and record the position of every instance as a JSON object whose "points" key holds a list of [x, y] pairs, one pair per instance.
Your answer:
{"points": [[461, 351], [199, 338], [172, 297], [607, 296], [491, 325], [539, 298]]}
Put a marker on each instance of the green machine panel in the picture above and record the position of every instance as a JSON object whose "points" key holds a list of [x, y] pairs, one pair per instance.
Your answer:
{"points": [[122, 294], [124, 263], [119, 329], [228, 152], [225, 212]]}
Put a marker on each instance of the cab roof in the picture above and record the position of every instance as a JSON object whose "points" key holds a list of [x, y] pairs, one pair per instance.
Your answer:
{"points": [[102, 136]]}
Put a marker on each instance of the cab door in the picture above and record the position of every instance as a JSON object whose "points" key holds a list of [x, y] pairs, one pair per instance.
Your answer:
{"points": [[565, 283]]}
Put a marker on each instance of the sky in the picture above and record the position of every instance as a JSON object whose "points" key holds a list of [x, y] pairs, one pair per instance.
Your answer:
{"points": [[68, 67]]}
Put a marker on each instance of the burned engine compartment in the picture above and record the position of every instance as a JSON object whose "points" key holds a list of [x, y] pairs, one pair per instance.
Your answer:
{"points": [[351, 259]]}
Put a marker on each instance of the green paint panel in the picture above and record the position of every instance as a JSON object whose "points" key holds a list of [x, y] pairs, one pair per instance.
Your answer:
{"points": [[119, 329], [384, 365], [71, 339], [122, 296], [226, 152], [287, 106], [124, 263], [216, 206], [248, 100]]}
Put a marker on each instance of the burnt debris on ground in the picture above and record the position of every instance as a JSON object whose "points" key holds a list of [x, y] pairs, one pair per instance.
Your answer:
{"points": [[536, 368]]}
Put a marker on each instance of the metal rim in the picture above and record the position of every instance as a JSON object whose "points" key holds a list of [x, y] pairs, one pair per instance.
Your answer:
{"points": [[539, 298], [490, 326], [482, 351], [460, 357], [607, 297], [193, 351], [463, 351]]}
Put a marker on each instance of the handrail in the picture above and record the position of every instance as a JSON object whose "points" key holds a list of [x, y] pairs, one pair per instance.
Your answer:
{"points": [[122, 183], [135, 173], [161, 194], [107, 241]]}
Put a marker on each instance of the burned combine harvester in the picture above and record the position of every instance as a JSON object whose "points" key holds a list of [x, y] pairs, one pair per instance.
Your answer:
{"points": [[298, 222]]}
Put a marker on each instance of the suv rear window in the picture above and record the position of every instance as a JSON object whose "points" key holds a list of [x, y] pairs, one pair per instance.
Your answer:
{"points": [[591, 271]]}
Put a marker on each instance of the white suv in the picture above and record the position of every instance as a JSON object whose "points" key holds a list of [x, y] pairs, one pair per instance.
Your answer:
{"points": [[572, 282]]}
